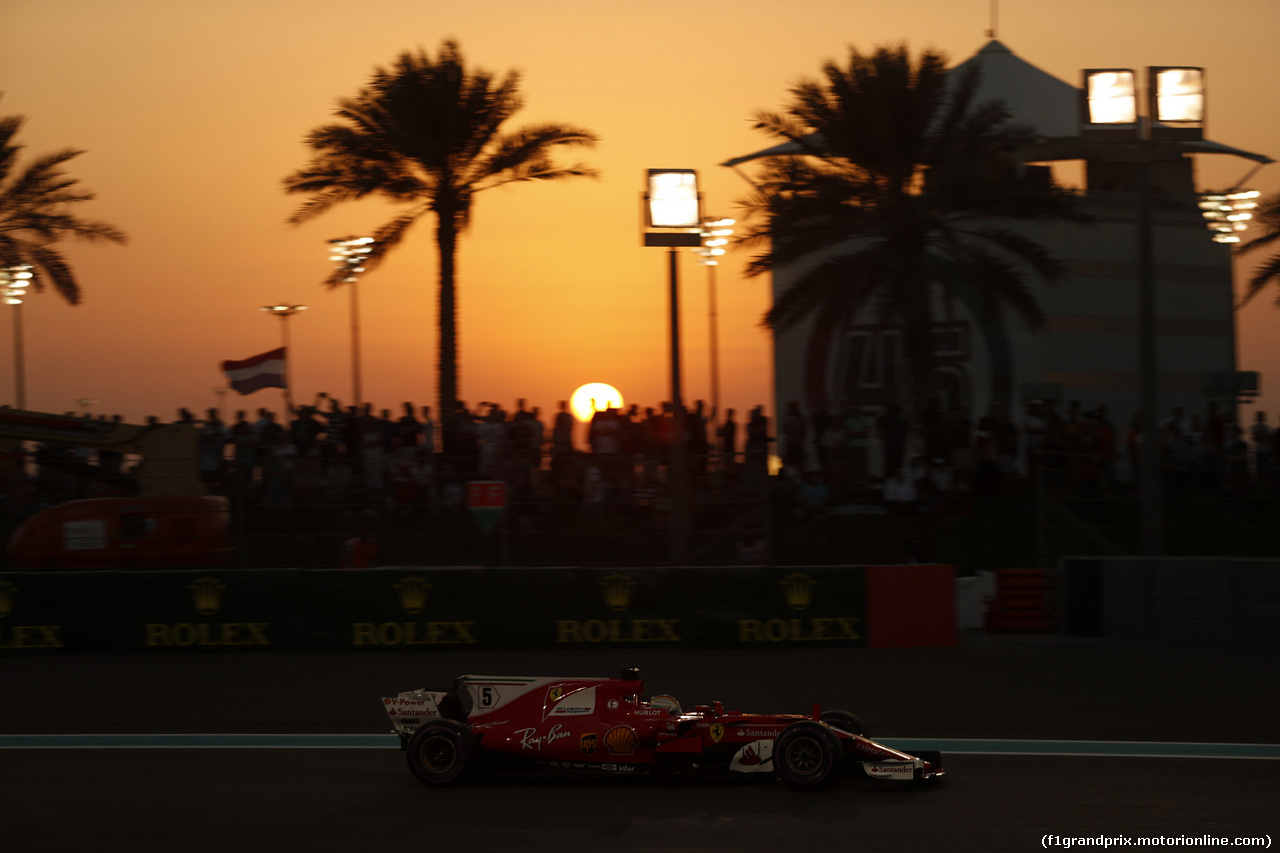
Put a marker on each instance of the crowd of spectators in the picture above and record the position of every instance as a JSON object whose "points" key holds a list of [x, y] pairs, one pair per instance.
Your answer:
{"points": [[896, 460], [330, 453], [943, 460]]}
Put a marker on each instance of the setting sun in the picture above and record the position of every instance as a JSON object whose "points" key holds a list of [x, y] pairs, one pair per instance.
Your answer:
{"points": [[594, 397]]}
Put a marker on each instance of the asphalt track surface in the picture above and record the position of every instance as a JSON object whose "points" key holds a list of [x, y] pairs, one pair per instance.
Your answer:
{"points": [[341, 799]]}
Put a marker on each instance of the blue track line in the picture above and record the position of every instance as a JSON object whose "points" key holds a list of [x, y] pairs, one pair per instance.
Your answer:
{"points": [[956, 746]]}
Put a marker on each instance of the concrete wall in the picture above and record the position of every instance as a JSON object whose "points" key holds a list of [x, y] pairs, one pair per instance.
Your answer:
{"points": [[1173, 598]]}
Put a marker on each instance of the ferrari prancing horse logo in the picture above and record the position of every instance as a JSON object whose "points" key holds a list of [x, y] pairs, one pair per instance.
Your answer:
{"points": [[717, 732]]}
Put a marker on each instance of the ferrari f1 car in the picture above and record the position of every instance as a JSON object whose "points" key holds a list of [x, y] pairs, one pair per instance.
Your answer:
{"points": [[603, 726]]}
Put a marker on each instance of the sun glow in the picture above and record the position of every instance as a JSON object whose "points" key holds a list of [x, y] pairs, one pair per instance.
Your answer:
{"points": [[594, 397]]}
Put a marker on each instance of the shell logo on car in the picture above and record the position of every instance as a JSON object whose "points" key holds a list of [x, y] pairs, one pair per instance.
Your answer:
{"points": [[621, 740]]}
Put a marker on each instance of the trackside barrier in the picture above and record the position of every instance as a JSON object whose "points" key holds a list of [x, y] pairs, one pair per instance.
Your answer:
{"points": [[1021, 602], [423, 608], [911, 605], [1168, 598]]}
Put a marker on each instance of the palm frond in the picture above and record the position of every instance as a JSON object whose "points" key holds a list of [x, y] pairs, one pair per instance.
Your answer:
{"points": [[990, 281], [525, 155], [9, 150], [912, 190], [1266, 215], [425, 132], [36, 211], [385, 238], [1011, 244], [833, 285], [52, 268]]}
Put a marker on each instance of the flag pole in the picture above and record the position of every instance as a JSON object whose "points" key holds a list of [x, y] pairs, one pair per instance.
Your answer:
{"points": [[284, 311]]}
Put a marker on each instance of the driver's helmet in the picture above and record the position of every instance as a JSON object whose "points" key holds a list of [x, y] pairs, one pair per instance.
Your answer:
{"points": [[666, 702]]}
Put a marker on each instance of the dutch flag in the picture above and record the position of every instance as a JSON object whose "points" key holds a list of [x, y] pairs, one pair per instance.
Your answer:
{"points": [[259, 371]]}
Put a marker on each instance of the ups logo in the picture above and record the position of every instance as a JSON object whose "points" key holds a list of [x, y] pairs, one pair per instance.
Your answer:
{"points": [[588, 742]]}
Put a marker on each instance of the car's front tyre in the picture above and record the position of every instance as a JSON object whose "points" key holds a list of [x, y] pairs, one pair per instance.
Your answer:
{"points": [[442, 752], [807, 755], [846, 721]]}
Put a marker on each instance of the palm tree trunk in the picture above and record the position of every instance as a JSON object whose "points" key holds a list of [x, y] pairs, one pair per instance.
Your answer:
{"points": [[447, 358], [917, 321]]}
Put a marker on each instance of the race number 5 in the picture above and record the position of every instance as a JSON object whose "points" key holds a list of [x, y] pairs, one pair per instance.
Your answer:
{"points": [[488, 696]]}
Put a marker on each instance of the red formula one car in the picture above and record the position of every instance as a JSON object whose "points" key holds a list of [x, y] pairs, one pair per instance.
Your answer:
{"points": [[602, 726]]}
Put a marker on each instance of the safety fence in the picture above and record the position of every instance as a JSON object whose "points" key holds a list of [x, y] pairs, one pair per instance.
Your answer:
{"points": [[423, 608]]}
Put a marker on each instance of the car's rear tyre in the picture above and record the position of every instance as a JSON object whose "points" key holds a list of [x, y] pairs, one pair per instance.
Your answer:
{"points": [[442, 752], [845, 721], [807, 755]]}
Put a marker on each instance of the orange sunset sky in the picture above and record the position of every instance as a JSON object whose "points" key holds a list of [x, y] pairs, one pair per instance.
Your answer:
{"points": [[192, 114]]}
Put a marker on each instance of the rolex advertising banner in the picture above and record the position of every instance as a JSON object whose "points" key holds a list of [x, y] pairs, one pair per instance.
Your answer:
{"points": [[405, 609], [207, 610], [46, 612], [420, 608], [703, 607]]}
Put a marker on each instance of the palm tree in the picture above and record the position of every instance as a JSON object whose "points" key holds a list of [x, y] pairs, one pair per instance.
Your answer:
{"points": [[1268, 216], [426, 134], [34, 214], [895, 196]]}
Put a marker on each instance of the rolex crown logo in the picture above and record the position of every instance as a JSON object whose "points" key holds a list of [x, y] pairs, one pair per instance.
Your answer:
{"points": [[413, 591], [8, 592], [617, 589], [797, 590], [206, 594]]}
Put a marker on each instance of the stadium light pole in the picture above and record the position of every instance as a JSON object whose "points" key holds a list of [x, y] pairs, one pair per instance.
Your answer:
{"points": [[672, 205], [14, 281], [284, 311], [348, 255], [715, 236], [1111, 114]]}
